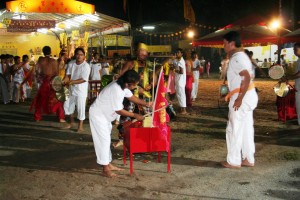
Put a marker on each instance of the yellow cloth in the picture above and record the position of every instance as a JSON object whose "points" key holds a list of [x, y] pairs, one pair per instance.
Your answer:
{"points": [[145, 74], [166, 68], [62, 73]]}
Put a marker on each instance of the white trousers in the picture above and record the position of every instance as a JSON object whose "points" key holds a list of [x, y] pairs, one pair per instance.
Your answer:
{"points": [[240, 130], [101, 133], [180, 94], [298, 105], [195, 85], [16, 92], [79, 102]]}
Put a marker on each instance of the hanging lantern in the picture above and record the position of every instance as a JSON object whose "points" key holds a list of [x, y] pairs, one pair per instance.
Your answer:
{"points": [[86, 22], [6, 21], [61, 25]]}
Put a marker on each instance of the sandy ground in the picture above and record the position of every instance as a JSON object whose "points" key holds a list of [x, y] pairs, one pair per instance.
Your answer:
{"points": [[42, 161]]}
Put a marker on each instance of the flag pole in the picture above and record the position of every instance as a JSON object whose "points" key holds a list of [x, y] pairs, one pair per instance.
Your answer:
{"points": [[153, 100]]}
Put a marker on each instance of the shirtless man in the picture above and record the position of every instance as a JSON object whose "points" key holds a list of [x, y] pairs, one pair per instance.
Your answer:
{"points": [[45, 101]]}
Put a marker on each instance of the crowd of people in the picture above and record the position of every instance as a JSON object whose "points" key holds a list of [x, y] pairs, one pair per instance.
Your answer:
{"points": [[128, 94]]}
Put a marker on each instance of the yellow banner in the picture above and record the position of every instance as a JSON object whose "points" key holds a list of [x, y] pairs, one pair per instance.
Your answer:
{"points": [[50, 6], [111, 40], [159, 48]]}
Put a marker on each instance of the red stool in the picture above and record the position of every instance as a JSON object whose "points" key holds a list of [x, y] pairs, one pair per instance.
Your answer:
{"points": [[146, 140]]}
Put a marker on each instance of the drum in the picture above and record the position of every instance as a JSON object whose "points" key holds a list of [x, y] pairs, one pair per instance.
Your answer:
{"points": [[63, 94], [56, 83], [282, 89], [276, 72], [224, 90]]}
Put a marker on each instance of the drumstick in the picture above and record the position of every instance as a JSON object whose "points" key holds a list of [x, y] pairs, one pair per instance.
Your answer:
{"points": [[135, 120]]}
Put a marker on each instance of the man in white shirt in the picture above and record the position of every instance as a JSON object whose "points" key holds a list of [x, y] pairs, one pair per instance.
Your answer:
{"points": [[180, 80], [95, 68], [105, 109], [243, 100], [196, 68], [77, 78], [296, 77]]}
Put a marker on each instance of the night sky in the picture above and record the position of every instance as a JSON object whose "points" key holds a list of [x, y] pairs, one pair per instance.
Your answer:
{"points": [[209, 12]]}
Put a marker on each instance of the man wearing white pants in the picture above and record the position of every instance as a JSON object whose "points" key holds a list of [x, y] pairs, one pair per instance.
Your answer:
{"points": [[196, 68], [296, 77], [105, 109], [243, 100], [77, 78], [180, 80]]}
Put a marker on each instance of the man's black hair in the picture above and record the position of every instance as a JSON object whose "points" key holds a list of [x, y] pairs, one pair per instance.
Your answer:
{"points": [[79, 49], [46, 50], [297, 45], [129, 76], [233, 36]]}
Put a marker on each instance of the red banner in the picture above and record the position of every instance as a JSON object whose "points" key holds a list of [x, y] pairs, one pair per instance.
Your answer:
{"points": [[10, 29], [31, 24]]}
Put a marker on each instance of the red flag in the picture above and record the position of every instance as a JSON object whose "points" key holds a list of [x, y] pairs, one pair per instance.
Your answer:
{"points": [[161, 117]]}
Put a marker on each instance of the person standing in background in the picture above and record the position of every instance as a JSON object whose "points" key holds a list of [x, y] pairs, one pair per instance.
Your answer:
{"points": [[180, 80], [196, 68], [77, 78]]}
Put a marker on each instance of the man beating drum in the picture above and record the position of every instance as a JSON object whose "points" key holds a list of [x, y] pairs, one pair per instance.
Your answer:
{"points": [[296, 77]]}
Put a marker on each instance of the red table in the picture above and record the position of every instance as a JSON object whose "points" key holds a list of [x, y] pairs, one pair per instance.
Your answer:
{"points": [[145, 140]]}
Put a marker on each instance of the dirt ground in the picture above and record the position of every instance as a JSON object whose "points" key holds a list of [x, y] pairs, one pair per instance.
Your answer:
{"points": [[40, 161]]}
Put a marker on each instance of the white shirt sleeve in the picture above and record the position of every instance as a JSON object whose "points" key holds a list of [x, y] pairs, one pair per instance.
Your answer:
{"points": [[128, 93], [86, 72], [69, 68], [117, 98], [241, 64]]}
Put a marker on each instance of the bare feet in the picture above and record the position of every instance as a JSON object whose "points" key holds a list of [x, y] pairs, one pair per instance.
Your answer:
{"points": [[117, 144], [81, 130], [109, 174], [227, 165], [62, 120], [246, 163], [67, 126], [183, 113], [114, 168], [117, 122]]}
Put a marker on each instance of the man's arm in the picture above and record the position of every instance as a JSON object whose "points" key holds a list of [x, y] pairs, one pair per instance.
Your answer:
{"points": [[243, 88], [138, 101], [293, 76]]}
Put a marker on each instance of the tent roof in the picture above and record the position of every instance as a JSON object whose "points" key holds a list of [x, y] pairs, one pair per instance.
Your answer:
{"points": [[98, 21], [253, 31]]}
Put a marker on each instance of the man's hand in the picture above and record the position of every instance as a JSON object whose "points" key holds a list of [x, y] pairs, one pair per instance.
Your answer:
{"points": [[138, 117], [237, 103]]}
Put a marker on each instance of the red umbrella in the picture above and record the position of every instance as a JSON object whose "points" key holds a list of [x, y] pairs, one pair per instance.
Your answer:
{"points": [[253, 30], [292, 37]]}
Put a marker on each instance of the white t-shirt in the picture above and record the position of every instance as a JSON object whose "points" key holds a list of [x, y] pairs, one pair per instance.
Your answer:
{"points": [[109, 101], [19, 76], [81, 71], [196, 63], [95, 68], [105, 68], [237, 63], [297, 81], [180, 79]]}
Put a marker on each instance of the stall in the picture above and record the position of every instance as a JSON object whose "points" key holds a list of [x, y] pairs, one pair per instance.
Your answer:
{"points": [[26, 26]]}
